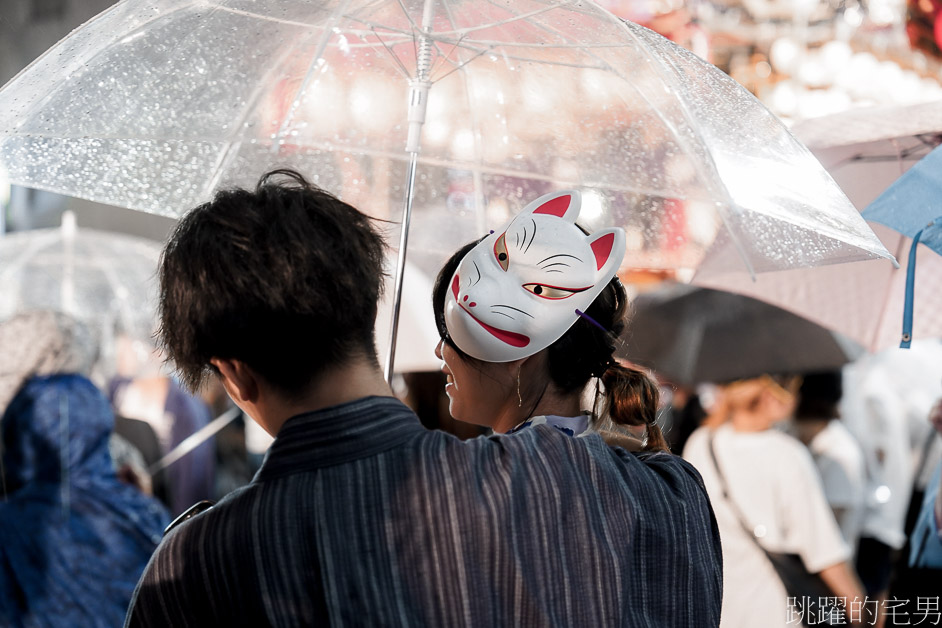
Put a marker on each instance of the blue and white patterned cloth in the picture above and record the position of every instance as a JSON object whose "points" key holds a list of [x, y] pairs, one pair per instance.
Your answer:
{"points": [[569, 425], [359, 516]]}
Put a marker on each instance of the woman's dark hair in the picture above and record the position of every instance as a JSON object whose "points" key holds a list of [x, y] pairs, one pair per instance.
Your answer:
{"points": [[584, 351], [285, 278]]}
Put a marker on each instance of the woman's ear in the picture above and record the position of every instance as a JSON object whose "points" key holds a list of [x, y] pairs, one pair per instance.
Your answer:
{"points": [[523, 365], [238, 379]]}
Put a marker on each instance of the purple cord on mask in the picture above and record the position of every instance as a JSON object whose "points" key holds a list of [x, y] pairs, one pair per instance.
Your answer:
{"points": [[591, 320]]}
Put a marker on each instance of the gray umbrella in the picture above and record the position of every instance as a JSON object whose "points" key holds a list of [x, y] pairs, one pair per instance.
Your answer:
{"points": [[692, 335]]}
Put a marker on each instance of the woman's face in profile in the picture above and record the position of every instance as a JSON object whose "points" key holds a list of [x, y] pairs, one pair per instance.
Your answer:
{"points": [[476, 390]]}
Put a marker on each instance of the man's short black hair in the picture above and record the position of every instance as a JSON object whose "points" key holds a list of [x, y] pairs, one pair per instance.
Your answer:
{"points": [[285, 278]]}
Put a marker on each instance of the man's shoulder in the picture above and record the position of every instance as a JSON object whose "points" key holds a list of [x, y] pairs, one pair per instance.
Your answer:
{"points": [[226, 517], [547, 450], [174, 588]]}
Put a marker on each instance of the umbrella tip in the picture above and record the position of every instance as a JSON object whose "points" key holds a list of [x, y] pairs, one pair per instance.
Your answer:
{"points": [[68, 224]]}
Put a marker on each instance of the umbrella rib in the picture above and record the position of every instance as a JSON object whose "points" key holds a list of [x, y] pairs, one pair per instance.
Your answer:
{"points": [[265, 18], [439, 36], [462, 64], [444, 59], [603, 64], [446, 7], [318, 54], [232, 144], [516, 18], [464, 31], [909, 153], [370, 24], [607, 66], [399, 64], [483, 48], [687, 116], [408, 16]]}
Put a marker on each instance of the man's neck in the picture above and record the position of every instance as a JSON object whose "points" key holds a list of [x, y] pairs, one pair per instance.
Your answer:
{"points": [[340, 384]]}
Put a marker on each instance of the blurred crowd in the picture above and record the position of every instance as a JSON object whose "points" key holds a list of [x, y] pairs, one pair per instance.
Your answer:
{"points": [[836, 466], [91, 471], [840, 467], [102, 448]]}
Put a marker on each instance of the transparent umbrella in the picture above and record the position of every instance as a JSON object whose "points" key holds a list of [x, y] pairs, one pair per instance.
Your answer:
{"points": [[96, 276], [866, 151], [104, 279], [461, 111]]}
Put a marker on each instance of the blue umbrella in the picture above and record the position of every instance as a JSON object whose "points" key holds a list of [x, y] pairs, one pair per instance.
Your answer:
{"points": [[911, 206]]}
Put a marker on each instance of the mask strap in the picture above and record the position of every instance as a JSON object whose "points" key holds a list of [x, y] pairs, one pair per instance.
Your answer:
{"points": [[600, 371], [592, 320]]}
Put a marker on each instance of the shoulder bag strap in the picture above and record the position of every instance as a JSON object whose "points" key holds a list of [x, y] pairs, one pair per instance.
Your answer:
{"points": [[726, 495]]}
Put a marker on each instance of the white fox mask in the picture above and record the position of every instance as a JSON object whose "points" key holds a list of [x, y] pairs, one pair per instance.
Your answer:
{"points": [[517, 291]]}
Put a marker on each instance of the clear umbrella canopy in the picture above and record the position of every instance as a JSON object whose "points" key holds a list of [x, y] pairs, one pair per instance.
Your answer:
{"points": [[154, 105], [106, 280], [866, 151]]}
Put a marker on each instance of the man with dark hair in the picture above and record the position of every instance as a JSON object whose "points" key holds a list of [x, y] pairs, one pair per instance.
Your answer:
{"points": [[359, 515]]}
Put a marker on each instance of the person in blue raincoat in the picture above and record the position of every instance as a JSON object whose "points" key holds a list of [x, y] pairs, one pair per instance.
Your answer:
{"points": [[73, 538]]}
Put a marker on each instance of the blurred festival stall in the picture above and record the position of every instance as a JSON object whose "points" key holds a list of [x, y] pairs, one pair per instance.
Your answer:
{"points": [[805, 58]]}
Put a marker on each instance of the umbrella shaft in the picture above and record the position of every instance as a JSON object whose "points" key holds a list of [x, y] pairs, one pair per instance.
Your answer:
{"points": [[401, 265]]}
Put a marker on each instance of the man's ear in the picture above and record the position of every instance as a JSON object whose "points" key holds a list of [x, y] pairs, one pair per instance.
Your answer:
{"points": [[238, 379]]}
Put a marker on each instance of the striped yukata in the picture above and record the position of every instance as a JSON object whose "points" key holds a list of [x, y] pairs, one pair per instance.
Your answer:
{"points": [[362, 517]]}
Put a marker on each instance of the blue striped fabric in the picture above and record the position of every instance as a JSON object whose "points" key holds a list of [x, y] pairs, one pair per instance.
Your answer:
{"points": [[360, 516]]}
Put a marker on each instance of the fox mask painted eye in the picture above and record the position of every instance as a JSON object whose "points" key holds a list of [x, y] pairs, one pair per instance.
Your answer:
{"points": [[551, 292], [500, 252]]}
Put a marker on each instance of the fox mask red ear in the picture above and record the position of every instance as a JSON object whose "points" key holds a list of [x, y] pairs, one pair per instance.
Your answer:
{"points": [[565, 205], [603, 246]]}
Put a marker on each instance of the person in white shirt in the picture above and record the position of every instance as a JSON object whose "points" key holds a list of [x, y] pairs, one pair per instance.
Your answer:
{"points": [[836, 452], [886, 399], [774, 491]]}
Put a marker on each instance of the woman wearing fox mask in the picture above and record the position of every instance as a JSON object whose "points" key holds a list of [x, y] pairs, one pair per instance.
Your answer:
{"points": [[528, 316]]}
